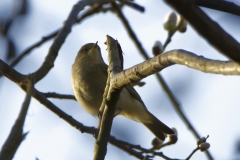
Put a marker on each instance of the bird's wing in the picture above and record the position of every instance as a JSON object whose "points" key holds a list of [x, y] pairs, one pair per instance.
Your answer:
{"points": [[103, 68], [134, 94], [129, 88]]}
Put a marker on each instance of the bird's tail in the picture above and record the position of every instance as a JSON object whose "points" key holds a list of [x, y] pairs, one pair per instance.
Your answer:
{"points": [[157, 127]]}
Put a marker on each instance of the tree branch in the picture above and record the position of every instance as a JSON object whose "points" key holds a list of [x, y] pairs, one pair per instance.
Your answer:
{"points": [[169, 58], [221, 5], [16, 135], [61, 36], [207, 28], [114, 67], [60, 96], [159, 77], [94, 9], [18, 78], [130, 30], [10, 73], [133, 5]]}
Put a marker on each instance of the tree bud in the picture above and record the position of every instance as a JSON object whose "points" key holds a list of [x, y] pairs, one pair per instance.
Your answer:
{"points": [[170, 21], [175, 130], [156, 143], [172, 138], [157, 48], [201, 140], [204, 146], [181, 24]]}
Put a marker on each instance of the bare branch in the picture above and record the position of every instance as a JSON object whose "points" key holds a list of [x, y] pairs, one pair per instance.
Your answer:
{"points": [[16, 135], [61, 36], [195, 150], [114, 67], [10, 73], [200, 63], [169, 58], [16, 77], [158, 63], [94, 9], [221, 5], [28, 50], [125, 146], [60, 96], [207, 28], [130, 30], [133, 5]]}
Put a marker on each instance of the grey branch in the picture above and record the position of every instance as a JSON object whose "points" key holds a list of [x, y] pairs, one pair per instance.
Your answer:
{"points": [[16, 135], [169, 58], [114, 67]]}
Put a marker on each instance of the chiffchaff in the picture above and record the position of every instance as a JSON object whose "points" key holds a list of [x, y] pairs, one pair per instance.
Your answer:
{"points": [[89, 77]]}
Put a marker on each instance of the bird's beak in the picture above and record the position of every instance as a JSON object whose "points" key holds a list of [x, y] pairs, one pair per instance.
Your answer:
{"points": [[94, 49], [96, 44]]}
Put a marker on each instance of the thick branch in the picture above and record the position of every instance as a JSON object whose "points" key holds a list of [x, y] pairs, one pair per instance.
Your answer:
{"points": [[100, 147], [182, 57], [10, 73], [221, 5], [207, 28]]}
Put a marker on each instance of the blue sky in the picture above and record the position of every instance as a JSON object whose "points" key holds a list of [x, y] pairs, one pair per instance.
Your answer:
{"points": [[210, 101]]}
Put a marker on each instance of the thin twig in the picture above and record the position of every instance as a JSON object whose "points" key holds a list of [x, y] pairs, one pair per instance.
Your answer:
{"points": [[28, 50], [195, 150], [60, 96], [130, 147], [89, 12], [130, 30], [125, 147], [133, 5], [170, 35], [16, 135]]}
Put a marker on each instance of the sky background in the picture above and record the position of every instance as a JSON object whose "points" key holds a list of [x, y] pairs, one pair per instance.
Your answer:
{"points": [[210, 101]]}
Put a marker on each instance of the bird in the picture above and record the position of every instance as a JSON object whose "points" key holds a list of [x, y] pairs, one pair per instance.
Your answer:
{"points": [[89, 76]]}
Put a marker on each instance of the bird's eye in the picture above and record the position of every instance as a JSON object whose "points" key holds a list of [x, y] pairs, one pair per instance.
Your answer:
{"points": [[85, 50]]}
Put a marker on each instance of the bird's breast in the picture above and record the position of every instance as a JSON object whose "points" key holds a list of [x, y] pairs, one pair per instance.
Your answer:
{"points": [[89, 85]]}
